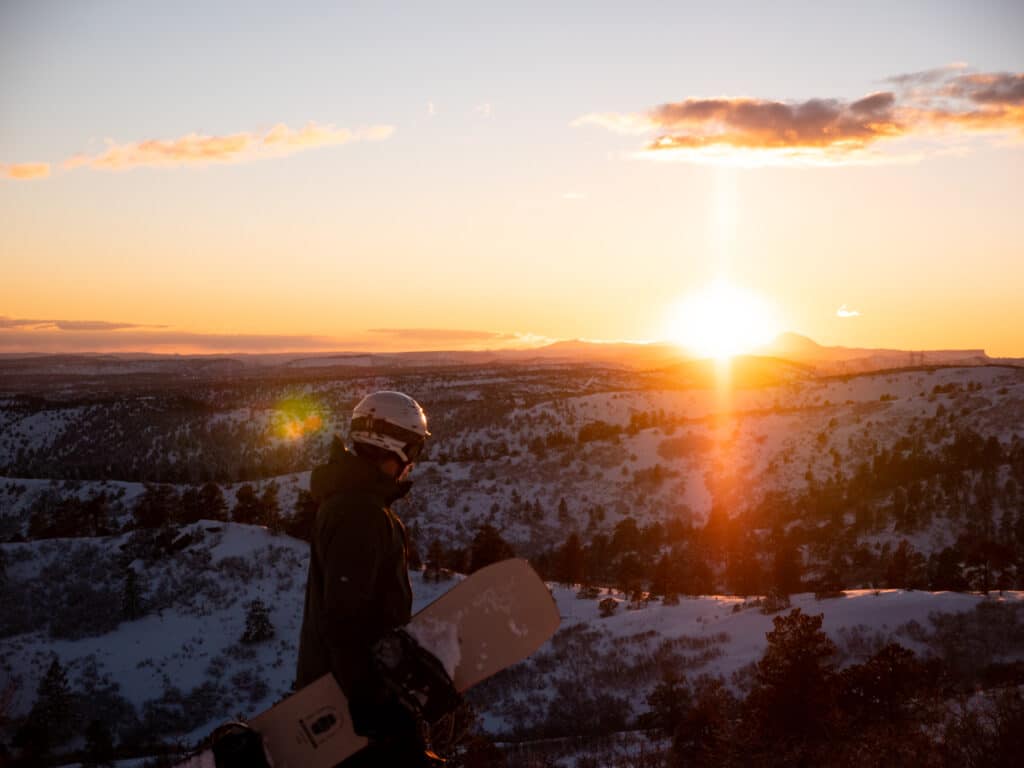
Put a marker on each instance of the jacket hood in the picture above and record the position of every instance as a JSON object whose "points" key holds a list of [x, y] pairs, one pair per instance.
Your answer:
{"points": [[347, 472]]}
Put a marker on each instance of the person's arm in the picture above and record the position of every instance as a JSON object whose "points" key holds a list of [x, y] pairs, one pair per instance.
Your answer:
{"points": [[352, 555]]}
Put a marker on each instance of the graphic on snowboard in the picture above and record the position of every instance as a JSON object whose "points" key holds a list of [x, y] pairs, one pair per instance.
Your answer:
{"points": [[492, 619]]}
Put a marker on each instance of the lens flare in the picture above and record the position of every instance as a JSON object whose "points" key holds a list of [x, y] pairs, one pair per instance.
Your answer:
{"points": [[297, 417]]}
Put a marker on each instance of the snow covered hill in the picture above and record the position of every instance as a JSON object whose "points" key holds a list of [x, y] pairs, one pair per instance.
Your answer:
{"points": [[180, 668], [665, 483]]}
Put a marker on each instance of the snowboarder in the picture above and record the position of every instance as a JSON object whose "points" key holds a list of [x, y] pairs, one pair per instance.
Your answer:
{"points": [[358, 585]]}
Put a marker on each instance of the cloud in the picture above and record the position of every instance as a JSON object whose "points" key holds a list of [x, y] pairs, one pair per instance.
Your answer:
{"points": [[198, 149], [573, 196], [26, 171], [1001, 89], [843, 311], [68, 325], [484, 110], [926, 77], [459, 339], [97, 325], [436, 334], [132, 338], [945, 100], [751, 123], [22, 335]]}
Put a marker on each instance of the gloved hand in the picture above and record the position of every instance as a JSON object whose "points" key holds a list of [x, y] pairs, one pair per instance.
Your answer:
{"points": [[416, 677], [377, 714]]}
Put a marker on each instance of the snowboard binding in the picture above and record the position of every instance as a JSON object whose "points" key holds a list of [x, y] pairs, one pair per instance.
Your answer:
{"points": [[236, 745], [415, 676]]}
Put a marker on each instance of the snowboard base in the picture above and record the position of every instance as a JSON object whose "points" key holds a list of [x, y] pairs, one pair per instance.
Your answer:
{"points": [[310, 728]]}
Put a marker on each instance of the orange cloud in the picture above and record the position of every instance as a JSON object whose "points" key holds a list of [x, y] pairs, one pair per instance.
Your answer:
{"points": [[457, 338], [20, 323], [198, 149], [23, 171], [751, 123], [18, 334], [945, 100]]}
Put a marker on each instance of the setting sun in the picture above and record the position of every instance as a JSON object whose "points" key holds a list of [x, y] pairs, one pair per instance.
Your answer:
{"points": [[722, 320]]}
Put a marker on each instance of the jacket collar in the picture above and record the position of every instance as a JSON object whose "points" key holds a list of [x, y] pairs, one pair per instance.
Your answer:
{"points": [[345, 471]]}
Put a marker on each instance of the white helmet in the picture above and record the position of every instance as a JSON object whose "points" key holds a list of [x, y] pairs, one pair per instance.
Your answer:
{"points": [[392, 421]]}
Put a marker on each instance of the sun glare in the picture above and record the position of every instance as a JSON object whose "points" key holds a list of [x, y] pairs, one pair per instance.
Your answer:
{"points": [[295, 418], [722, 320]]}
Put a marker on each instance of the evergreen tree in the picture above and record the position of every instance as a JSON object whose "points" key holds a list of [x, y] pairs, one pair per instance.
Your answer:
{"points": [[270, 509], [563, 511], [99, 745], [435, 560], [257, 623], [626, 536], [906, 569], [629, 572], [668, 701], [488, 547], [96, 514], [945, 570], [899, 510], [156, 506], [743, 570], [211, 502], [792, 700], [412, 549], [661, 577], [190, 510], [49, 722], [703, 735], [786, 568], [40, 521], [303, 517], [569, 561], [247, 505], [131, 603]]}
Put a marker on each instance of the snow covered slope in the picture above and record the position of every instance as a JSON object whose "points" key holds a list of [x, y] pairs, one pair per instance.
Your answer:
{"points": [[182, 666]]}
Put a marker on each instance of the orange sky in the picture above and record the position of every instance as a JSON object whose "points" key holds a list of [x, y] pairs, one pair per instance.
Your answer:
{"points": [[413, 195]]}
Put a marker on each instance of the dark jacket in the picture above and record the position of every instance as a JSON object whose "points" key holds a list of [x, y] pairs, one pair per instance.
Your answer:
{"points": [[358, 586]]}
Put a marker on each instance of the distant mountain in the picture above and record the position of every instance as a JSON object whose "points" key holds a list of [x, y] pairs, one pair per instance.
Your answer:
{"points": [[797, 348], [793, 348], [118, 364], [627, 354]]}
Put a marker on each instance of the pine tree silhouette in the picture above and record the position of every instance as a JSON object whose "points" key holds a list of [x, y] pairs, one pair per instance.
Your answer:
{"points": [[49, 723], [99, 745], [257, 623], [131, 603], [270, 508], [211, 502], [488, 547], [156, 506], [247, 505], [301, 524]]}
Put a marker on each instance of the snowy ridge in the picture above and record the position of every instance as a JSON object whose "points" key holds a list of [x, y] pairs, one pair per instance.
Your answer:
{"points": [[192, 639]]}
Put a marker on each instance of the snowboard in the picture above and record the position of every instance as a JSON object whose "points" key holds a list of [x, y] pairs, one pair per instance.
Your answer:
{"points": [[490, 620]]}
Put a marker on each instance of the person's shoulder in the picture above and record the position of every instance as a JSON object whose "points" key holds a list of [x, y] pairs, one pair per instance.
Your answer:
{"points": [[353, 512]]}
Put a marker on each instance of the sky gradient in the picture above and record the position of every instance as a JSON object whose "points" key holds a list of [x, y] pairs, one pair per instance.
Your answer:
{"points": [[191, 177]]}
